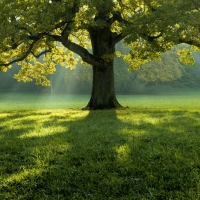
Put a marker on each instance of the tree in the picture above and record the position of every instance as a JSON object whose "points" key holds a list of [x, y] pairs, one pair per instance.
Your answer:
{"points": [[55, 29], [166, 70]]}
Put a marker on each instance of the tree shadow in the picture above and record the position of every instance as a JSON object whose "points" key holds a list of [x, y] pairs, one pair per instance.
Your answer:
{"points": [[110, 154]]}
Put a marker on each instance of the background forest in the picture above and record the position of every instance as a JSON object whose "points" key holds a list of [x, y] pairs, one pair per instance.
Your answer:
{"points": [[166, 75]]}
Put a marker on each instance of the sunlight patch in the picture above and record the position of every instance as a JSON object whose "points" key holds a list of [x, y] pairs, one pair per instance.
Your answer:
{"points": [[3, 115], [18, 177], [42, 132], [123, 152], [177, 129], [131, 116], [133, 132], [76, 115], [152, 120]]}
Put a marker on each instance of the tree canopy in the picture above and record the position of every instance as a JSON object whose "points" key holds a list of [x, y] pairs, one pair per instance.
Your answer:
{"points": [[56, 29]]}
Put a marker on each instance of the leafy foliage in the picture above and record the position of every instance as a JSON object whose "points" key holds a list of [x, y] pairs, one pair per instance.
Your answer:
{"points": [[55, 29], [153, 76], [167, 70]]}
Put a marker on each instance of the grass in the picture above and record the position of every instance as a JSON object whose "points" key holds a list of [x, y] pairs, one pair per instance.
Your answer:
{"points": [[31, 101], [148, 151]]}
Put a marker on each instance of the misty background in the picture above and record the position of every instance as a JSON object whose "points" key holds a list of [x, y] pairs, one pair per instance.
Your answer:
{"points": [[168, 75]]}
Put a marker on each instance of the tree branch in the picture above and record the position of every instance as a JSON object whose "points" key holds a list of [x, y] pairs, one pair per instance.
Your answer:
{"points": [[23, 57], [118, 37], [150, 38], [116, 17], [82, 52], [190, 42], [55, 37], [40, 54]]}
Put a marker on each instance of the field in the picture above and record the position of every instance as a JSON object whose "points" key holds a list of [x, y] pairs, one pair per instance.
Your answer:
{"points": [[51, 149]]}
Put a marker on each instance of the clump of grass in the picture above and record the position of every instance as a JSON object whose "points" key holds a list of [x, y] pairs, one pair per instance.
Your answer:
{"points": [[113, 154]]}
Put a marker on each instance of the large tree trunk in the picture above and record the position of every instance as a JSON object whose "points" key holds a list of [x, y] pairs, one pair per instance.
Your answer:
{"points": [[103, 90]]}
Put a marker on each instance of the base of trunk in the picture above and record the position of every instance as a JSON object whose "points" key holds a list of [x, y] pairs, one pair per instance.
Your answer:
{"points": [[98, 103], [103, 91]]}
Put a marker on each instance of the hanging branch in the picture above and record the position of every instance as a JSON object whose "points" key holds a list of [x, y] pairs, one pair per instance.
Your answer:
{"points": [[23, 57]]}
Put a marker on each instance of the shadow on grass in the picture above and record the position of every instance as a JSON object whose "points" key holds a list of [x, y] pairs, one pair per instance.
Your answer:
{"points": [[124, 154]]}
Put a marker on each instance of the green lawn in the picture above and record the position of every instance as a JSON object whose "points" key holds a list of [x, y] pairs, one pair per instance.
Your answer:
{"points": [[31, 101], [51, 149]]}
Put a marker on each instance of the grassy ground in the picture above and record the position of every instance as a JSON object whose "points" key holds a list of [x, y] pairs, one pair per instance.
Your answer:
{"points": [[31, 101], [148, 151]]}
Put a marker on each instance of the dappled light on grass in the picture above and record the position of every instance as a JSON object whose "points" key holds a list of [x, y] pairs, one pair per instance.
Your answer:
{"points": [[42, 132], [37, 123], [124, 154], [22, 176]]}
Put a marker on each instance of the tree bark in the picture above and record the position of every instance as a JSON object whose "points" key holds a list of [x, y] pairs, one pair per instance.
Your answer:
{"points": [[103, 91]]}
